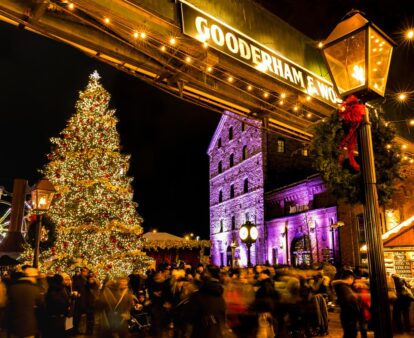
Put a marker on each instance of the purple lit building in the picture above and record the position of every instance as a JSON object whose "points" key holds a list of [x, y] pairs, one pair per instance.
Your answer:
{"points": [[267, 179]]}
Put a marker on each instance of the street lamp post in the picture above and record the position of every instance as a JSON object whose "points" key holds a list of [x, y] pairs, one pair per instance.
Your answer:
{"points": [[358, 56], [248, 234], [42, 196]]}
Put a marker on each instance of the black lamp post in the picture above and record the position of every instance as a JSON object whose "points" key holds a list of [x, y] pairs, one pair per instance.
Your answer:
{"points": [[358, 56], [42, 196], [248, 234]]}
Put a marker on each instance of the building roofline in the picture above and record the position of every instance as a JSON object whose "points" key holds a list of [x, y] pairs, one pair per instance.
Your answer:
{"points": [[292, 184]]}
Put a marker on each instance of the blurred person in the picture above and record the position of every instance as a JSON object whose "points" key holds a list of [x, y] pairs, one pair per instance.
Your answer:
{"points": [[79, 282], [24, 299], [116, 302], [92, 293], [401, 311], [207, 307], [136, 282], [348, 302], [265, 302], [57, 305], [364, 298]]}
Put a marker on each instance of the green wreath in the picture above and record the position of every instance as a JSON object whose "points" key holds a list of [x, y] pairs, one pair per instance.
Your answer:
{"points": [[343, 181], [47, 234]]}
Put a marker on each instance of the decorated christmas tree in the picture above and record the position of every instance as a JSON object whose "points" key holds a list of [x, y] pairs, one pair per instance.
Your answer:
{"points": [[97, 224]]}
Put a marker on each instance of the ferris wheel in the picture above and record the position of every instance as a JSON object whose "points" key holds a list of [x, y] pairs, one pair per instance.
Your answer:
{"points": [[5, 213]]}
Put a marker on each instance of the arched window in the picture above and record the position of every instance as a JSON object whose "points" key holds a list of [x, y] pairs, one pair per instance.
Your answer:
{"points": [[232, 191], [230, 133], [219, 143], [246, 185], [231, 160], [221, 226], [245, 153], [220, 196], [233, 222], [220, 167]]}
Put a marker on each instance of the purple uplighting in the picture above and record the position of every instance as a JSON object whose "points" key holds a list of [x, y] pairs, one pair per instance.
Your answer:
{"points": [[294, 226]]}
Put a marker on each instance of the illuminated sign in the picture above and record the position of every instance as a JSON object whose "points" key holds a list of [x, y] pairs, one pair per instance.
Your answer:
{"points": [[220, 36]]}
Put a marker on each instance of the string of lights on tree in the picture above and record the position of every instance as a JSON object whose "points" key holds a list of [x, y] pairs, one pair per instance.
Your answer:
{"points": [[270, 102], [97, 224]]}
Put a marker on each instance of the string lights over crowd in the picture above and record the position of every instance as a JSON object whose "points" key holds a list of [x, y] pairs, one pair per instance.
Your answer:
{"points": [[281, 101]]}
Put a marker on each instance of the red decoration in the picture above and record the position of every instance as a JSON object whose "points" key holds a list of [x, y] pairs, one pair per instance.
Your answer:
{"points": [[351, 112]]}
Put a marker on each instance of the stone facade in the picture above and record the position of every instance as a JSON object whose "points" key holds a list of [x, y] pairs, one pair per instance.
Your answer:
{"points": [[240, 152]]}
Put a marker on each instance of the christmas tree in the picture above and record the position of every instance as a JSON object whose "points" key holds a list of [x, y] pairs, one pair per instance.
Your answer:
{"points": [[97, 224]]}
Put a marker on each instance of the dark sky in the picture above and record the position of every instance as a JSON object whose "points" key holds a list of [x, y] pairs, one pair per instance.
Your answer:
{"points": [[168, 139]]}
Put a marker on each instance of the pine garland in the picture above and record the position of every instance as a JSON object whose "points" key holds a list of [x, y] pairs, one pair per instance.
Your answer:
{"points": [[344, 182]]}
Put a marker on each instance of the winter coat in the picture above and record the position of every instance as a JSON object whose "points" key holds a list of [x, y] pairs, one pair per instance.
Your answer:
{"points": [[208, 310], [266, 296], [23, 300], [347, 300], [79, 285], [57, 301]]}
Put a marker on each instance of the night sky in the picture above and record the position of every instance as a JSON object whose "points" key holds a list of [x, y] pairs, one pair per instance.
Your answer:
{"points": [[167, 138]]}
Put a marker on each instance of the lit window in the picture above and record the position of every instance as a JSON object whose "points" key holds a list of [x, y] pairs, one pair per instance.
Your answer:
{"points": [[220, 167], [305, 152], [280, 146], [230, 133], [246, 185], [220, 196], [219, 143], [243, 126], [233, 223], [232, 191], [245, 153], [231, 160]]}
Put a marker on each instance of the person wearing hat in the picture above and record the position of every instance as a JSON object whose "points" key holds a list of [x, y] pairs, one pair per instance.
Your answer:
{"points": [[24, 298], [348, 302]]}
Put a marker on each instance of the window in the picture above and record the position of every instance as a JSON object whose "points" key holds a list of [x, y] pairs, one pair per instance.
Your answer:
{"points": [[280, 146], [246, 185], [220, 196], [232, 191], [221, 226], [219, 143], [305, 152], [231, 160], [243, 126], [245, 153], [230, 133], [220, 167], [233, 223]]}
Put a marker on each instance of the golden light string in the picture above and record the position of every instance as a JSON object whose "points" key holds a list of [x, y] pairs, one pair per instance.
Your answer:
{"points": [[128, 33], [301, 138]]}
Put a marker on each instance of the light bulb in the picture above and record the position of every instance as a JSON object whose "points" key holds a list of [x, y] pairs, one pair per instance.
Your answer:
{"points": [[143, 35], [71, 6], [188, 59], [402, 97], [249, 88], [107, 20], [410, 34], [173, 41]]}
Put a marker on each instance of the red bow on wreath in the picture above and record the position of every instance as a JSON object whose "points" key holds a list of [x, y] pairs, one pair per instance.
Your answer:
{"points": [[351, 112]]}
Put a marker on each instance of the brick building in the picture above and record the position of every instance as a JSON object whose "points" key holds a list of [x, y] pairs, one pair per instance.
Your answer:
{"points": [[267, 179]]}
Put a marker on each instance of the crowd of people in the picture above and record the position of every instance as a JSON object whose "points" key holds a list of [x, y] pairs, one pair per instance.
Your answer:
{"points": [[205, 301]]}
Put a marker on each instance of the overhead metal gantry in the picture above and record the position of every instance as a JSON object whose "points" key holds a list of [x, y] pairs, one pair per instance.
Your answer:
{"points": [[135, 38]]}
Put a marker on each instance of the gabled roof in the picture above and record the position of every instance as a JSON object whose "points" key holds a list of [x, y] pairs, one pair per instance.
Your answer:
{"points": [[401, 235], [216, 134]]}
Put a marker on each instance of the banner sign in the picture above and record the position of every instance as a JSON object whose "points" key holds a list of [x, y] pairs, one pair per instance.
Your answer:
{"points": [[220, 36]]}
